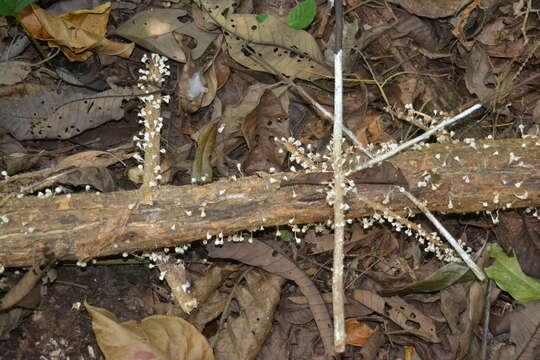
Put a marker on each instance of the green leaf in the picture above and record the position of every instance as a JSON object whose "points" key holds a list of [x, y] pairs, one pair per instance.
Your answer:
{"points": [[441, 279], [21, 4], [261, 17], [302, 15], [509, 277], [13, 7], [201, 171]]}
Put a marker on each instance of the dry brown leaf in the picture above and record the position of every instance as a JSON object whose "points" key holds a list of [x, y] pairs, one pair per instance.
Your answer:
{"points": [[94, 158], [525, 330], [269, 258], [61, 114], [197, 86], [478, 69], [271, 40], [244, 335], [357, 332], [161, 31], [267, 121], [155, 337], [14, 72], [231, 122], [410, 319], [76, 33], [433, 9]]}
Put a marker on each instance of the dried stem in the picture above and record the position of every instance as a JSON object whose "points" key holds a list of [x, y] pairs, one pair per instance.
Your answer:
{"points": [[417, 139], [464, 256], [339, 185]]}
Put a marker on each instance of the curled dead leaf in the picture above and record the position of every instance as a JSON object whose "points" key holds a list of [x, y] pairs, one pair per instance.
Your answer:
{"points": [[77, 33]]}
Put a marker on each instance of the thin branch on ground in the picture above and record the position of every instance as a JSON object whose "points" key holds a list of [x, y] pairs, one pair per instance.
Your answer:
{"points": [[464, 256], [339, 184]]}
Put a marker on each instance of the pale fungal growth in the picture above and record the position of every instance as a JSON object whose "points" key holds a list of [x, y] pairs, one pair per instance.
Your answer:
{"points": [[150, 80], [494, 218], [524, 196], [512, 158]]}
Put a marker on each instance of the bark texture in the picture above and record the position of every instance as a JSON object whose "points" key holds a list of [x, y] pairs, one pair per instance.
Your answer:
{"points": [[500, 174]]}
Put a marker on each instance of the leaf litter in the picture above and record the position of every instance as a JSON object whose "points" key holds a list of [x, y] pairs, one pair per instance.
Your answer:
{"points": [[227, 109]]}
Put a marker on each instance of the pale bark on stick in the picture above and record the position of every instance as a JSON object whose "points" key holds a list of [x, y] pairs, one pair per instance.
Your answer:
{"points": [[84, 226]]}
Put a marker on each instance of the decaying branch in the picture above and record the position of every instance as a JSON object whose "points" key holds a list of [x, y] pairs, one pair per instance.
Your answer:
{"points": [[462, 178]]}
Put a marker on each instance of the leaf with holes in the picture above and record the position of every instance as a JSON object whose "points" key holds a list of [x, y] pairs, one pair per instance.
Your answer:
{"points": [[292, 52], [302, 15], [61, 114]]}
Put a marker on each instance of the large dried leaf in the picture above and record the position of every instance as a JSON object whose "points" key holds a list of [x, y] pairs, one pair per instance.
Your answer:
{"points": [[61, 114], [434, 9], [160, 30], [509, 277], [155, 337], [527, 247], [263, 255], [525, 331], [76, 33], [14, 72], [196, 87], [231, 122], [267, 121], [244, 335], [271, 40], [478, 69], [410, 319]]}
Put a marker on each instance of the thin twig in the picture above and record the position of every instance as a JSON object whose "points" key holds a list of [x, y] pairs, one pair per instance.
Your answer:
{"points": [[464, 256], [337, 163], [416, 140], [441, 126]]}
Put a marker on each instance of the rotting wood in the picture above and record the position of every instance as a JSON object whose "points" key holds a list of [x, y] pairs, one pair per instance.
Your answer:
{"points": [[85, 226]]}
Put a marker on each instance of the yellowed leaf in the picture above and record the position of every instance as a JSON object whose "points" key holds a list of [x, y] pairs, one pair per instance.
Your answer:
{"points": [[77, 33], [155, 337]]}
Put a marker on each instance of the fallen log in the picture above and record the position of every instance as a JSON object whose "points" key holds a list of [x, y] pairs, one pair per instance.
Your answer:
{"points": [[452, 178]]}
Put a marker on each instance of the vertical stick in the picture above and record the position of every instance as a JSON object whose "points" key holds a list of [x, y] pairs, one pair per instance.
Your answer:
{"points": [[339, 218]]}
